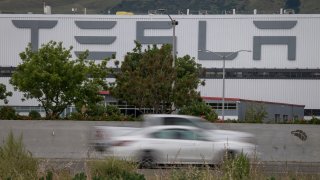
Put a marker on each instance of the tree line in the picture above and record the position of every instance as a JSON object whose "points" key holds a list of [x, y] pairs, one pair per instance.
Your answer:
{"points": [[147, 79]]}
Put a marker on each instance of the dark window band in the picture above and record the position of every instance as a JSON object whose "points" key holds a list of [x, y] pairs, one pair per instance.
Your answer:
{"points": [[216, 73], [235, 73]]}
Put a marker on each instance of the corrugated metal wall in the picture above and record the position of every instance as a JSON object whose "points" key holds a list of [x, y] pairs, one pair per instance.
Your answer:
{"points": [[225, 33]]}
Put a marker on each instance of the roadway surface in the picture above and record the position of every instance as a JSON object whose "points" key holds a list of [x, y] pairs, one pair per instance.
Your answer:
{"points": [[291, 146]]}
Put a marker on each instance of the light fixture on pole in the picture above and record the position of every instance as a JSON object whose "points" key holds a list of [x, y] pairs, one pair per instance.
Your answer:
{"points": [[223, 55], [174, 23]]}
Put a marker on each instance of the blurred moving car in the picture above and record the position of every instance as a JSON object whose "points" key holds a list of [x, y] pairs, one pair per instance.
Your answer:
{"points": [[102, 135], [176, 145]]}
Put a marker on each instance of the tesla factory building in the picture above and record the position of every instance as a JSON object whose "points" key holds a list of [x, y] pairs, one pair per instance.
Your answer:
{"points": [[281, 67]]}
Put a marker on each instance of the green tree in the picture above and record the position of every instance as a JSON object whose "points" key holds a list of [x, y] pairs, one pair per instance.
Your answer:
{"points": [[4, 93], [186, 81], [50, 76], [146, 79]]}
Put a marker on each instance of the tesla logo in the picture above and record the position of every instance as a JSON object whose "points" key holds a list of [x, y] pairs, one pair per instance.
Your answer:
{"points": [[258, 41], [290, 41]]}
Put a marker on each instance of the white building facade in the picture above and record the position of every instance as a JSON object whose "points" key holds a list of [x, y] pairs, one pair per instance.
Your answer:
{"points": [[283, 65]]}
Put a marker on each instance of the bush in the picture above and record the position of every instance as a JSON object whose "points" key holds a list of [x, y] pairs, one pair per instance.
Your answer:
{"points": [[112, 110], [96, 110], [15, 161], [76, 116], [199, 108], [314, 120], [22, 117], [35, 115], [114, 169], [300, 121], [8, 113]]}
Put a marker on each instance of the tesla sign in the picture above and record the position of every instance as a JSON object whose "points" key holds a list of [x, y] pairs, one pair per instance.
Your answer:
{"points": [[258, 41]]}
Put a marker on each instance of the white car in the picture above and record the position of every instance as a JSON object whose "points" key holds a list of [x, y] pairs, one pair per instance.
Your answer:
{"points": [[101, 136], [175, 145]]}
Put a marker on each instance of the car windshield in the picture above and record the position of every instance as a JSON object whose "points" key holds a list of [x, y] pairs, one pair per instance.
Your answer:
{"points": [[203, 124], [188, 121]]}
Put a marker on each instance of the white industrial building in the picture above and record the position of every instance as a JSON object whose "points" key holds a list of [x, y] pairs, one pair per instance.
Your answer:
{"points": [[282, 67]]}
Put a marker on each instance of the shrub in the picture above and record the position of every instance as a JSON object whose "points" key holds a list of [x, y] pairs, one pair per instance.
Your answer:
{"points": [[7, 112], [76, 116], [22, 117], [35, 115], [114, 117], [300, 121], [314, 120], [15, 161], [112, 110], [96, 110], [199, 108], [112, 168]]}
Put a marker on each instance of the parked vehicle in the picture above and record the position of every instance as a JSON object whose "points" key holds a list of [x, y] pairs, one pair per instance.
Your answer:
{"points": [[175, 145], [101, 136]]}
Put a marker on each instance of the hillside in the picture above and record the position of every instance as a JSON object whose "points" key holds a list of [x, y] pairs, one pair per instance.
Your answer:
{"points": [[142, 6], [57, 6]]}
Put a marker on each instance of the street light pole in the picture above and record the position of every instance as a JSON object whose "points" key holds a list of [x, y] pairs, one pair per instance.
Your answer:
{"points": [[173, 23], [223, 56], [223, 84]]}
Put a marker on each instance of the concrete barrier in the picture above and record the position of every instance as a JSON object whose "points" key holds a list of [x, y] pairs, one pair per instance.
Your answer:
{"points": [[283, 142], [69, 139]]}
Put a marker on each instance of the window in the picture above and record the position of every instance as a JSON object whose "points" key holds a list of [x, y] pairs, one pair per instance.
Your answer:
{"points": [[285, 118], [312, 112], [182, 134], [177, 121], [226, 105], [242, 73], [163, 134]]}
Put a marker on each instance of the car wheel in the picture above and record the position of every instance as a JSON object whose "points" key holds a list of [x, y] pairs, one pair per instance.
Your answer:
{"points": [[147, 159]]}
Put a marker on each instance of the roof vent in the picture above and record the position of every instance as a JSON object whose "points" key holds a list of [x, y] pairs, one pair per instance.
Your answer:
{"points": [[288, 11], [152, 12], [47, 9], [203, 12]]}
